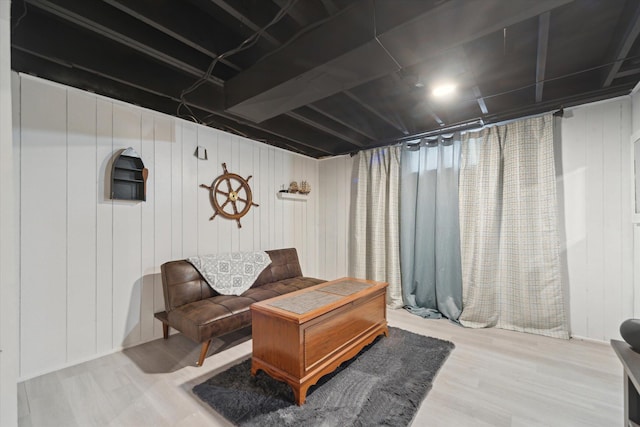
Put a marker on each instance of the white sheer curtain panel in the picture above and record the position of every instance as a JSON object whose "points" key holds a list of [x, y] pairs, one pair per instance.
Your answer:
{"points": [[374, 243], [509, 232]]}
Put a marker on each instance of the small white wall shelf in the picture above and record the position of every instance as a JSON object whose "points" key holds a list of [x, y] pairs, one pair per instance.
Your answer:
{"points": [[293, 196]]}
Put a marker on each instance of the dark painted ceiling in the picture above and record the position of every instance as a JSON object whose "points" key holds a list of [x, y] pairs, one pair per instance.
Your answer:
{"points": [[328, 77]]}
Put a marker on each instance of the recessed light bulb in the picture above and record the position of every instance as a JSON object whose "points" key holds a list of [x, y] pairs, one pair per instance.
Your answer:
{"points": [[444, 89]]}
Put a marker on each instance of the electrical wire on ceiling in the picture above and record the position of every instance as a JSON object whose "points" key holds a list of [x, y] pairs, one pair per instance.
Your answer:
{"points": [[21, 17], [246, 44]]}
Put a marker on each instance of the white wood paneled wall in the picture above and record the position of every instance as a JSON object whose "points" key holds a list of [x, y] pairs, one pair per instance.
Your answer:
{"points": [[90, 266], [8, 235], [595, 183], [335, 194], [635, 135]]}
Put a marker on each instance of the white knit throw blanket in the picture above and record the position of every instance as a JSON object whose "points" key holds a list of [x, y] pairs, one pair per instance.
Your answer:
{"points": [[231, 273]]}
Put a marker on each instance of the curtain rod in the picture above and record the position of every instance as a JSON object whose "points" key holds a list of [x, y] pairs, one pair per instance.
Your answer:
{"points": [[473, 124], [460, 127]]}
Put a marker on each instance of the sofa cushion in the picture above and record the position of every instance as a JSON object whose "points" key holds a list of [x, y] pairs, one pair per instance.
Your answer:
{"points": [[218, 315], [182, 284], [259, 294], [200, 320], [284, 265]]}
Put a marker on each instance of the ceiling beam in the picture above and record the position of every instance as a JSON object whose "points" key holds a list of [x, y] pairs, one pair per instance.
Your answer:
{"points": [[628, 72], [295, 13], [544, 21], [245, 21], [341, 121], [162, 81], [299, 117], [330, 7], [623, 45], [28, 62], [91, 18], [356, 116], [69, 45], [477, 93], [354, 54], [304, 134], [317, 116], [480, 99], [183, 29], [375, 112], [167, 25], [564, 102], [326, 129]]}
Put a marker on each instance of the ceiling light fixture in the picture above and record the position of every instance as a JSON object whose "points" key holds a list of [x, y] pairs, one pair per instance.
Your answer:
{"points": [[443, 90]]}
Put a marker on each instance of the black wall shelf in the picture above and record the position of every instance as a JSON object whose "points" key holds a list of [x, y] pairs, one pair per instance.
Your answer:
{"points": [[128, 177]]}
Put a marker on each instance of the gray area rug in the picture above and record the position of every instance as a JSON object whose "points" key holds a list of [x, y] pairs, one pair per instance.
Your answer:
{"points": [[383, 385]]}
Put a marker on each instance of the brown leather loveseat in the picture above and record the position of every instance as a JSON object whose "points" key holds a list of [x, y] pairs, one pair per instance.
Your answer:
{"points": [[200, 313]]}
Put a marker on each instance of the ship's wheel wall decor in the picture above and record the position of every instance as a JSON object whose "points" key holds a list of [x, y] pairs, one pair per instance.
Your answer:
{"points": [[230, 195]]}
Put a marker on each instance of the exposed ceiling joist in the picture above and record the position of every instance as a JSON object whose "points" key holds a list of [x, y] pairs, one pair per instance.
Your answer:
{"points": [[91, 19], [329, 6], [183, 30], [315, 115], [567, 101], [544, 21], [359, 56], [295, 13], [327, 129], [139, 95], [335, 75], [628, 72], [376, 112], [623, 46], [480, 99], [477, 93], [343, 122], [306, 135], [331, 9], [166, 81], [244, 20]]}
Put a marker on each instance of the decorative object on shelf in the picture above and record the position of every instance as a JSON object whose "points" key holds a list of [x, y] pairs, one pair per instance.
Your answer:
{"points": [[293, 187], [305, 187], [282, 195], [630, 332], [226, 197], [129, 176]]}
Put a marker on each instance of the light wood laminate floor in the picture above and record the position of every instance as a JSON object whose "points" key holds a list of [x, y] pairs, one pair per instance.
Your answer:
{"points": [[492, 378]]}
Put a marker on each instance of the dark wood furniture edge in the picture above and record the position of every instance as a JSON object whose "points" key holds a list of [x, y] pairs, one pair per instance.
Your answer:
{"points": [[164, 318], [263, 306], [630, 360]]}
